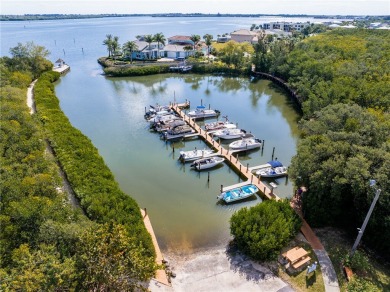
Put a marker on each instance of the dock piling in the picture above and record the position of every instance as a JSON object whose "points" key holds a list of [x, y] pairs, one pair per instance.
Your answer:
{"points": [[247, 167], [273, 152]]}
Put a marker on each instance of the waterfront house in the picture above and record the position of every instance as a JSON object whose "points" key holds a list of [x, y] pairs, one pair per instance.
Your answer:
{"points": [[181, 40], [244, 35], [145, 51], [176, 51]]}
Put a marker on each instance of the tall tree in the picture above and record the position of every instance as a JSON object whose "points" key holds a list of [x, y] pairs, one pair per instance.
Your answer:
{"points": [[160, 39], [130, 47], [149, 39], [115, 46], [208, 38], [195, 39], [108, 43]]}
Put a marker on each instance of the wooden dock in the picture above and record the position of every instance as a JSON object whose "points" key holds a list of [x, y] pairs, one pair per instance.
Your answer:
{"points": [[160, 275], [62, 69], [228, 155]]}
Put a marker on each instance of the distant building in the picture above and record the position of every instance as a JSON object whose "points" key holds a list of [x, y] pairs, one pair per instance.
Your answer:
{"points": [[223, 39], [286, 26], [181, 40], [244, 35]]}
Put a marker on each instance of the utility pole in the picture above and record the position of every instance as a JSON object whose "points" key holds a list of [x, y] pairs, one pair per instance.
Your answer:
{"points": [[361, 230]]}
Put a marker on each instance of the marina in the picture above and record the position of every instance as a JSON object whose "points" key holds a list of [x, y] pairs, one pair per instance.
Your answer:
{"points": [[249, 142]]}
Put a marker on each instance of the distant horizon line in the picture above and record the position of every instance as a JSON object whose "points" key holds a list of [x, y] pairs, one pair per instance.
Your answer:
{"points": [[192, 14]]}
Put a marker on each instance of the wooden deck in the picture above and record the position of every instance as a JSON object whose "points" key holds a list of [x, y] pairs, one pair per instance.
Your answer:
{"points": [[228, 155], [62, 70]]}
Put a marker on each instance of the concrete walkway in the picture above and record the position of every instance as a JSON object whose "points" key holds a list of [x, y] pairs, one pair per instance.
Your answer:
{"points": [[328, 273], [218, 269], [30, 97]]}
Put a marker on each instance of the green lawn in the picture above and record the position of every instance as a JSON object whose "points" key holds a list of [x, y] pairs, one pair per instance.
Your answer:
{"points": [[373, 275], [300, 281]]}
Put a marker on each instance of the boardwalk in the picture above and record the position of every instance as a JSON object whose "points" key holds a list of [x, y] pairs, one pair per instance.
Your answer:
{"points": [[228, 155], [160, 276]]}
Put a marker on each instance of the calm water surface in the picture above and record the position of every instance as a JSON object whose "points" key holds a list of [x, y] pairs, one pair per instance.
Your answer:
{"points": [[181, 202]]}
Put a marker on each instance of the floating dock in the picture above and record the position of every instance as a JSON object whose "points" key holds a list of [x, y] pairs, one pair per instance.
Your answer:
{"points": [[229, 157], [62, 69]]}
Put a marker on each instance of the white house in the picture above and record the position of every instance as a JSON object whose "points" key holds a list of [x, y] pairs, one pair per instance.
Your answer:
{"points": [[244, 35], [147, 52]]}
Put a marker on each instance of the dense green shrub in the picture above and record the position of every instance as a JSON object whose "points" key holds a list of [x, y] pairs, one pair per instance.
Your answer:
{"points": [[343, 147], [92, 181], [218, 68], [136, 71], [261, 231]]}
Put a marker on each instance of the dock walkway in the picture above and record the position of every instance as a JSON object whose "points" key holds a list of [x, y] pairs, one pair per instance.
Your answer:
{"points": [[160, 276], [228, 155]]}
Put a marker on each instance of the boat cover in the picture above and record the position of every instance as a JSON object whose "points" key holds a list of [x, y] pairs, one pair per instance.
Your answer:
{"points": [[275, 163]]}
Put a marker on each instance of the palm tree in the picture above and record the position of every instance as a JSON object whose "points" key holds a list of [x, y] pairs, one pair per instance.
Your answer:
{"points": [[195, 38], [115, 46], [159, 38], [208, 38], [130, 47], [108, 42], [149, 39]]}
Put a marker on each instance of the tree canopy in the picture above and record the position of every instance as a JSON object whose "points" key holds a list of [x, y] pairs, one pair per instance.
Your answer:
{"points": [[343, 147], [261, 231], [46, 244]]}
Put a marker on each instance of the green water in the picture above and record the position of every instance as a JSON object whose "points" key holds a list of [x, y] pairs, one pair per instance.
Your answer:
{"points": [[180, 201]]}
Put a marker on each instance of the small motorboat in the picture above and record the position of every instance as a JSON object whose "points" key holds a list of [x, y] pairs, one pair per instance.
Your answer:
{"points": [[201, 112], [276, 169], [206, 163], [246, 143], [238, 193], [229, 133], [162, 116], [219, 125], [273, 172], [167, 124], [157, 109], [178, 132], [196, 154]]}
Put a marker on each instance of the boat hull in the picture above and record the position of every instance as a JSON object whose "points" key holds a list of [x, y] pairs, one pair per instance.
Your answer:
{"points": [[238, 194], [272, 172], [245, 144], [193, 155], [207, 163]]}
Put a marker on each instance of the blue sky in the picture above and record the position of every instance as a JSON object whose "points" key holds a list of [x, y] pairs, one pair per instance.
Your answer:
{"points": [[319, 7]]}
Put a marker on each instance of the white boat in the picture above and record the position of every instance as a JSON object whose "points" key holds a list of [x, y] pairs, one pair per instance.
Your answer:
{"points": [[275, 169], [195, 154], [238, 193], [157, 109], [201, 112], [206, 163], [219, 125], [162, 116], [178, 132], [229, 133], [245, 144], [165, 126]]}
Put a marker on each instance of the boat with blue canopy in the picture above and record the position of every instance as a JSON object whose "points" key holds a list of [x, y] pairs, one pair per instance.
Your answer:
{"points": [[239, 193]]}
